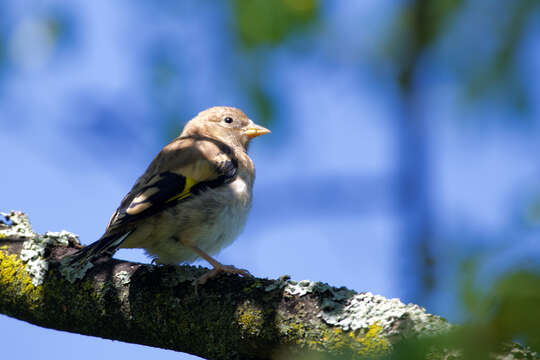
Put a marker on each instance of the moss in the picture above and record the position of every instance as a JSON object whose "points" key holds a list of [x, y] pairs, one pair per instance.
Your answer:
{"points": [[311, 336], [15, 280], [250, 318], [35, 246], [298, 331], [254, 285], [363, 343], [373, 341]]}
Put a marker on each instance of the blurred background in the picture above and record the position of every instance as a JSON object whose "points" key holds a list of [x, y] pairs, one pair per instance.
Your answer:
{"points": [[403, 159]]}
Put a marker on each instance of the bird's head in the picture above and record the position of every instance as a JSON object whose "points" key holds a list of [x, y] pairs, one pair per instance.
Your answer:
{"points": [[227, 124]]}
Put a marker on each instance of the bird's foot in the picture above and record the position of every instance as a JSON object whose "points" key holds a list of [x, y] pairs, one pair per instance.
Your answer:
{"points": [[219, 269]]}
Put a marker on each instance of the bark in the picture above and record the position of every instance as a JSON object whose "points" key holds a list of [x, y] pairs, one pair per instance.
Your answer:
{"points": [[227, 318]]}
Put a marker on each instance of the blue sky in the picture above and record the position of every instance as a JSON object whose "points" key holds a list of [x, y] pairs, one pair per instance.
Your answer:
{"points": [[81, 119]]}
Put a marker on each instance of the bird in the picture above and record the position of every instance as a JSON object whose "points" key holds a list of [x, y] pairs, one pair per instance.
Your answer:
{"points": [[193, 199]]}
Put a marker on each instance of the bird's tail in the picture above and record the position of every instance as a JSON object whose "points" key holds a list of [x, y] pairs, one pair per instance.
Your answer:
{"points": [[106, 246]]}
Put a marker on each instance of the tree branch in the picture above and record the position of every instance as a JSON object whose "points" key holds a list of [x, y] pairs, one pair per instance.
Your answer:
{"points": [[227, 318]]}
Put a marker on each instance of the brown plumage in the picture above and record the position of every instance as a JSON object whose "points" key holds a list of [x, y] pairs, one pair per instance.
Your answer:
{"points": [[194, 197]]}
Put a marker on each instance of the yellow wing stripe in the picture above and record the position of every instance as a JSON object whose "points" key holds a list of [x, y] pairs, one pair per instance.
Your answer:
{"points": [[186, 191]]}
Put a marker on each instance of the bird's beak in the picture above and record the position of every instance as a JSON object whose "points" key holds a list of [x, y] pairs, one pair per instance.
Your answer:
{"points": [[254, 130]]}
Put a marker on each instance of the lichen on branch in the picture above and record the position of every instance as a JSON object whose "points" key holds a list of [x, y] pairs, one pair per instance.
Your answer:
{"points": [[227, 318]]}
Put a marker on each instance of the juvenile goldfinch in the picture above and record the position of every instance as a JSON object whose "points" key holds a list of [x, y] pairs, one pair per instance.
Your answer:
{"points": [[193, 199]]}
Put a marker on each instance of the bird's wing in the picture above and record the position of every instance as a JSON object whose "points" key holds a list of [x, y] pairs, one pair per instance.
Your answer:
{"points": [[179, 172]]}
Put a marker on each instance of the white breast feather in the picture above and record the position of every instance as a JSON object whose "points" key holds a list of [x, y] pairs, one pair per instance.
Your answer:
{"points": [[233, 218], [225, 210]]}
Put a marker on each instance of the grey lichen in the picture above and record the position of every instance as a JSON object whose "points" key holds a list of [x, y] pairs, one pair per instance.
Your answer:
{"points": [[33, 251], [123, 277], [397, 319], [20, 226], [62, 238], [74, 273], [350, 311], [278, 284], [301, 288]]}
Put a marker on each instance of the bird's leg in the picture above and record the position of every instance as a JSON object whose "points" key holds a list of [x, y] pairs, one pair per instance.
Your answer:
{"points": [[218, 267]]}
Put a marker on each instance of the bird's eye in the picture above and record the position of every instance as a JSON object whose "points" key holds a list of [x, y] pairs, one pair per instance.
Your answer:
{"points": [[228, 120]]}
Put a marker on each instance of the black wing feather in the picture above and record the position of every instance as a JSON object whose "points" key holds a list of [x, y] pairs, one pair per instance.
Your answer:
{"points": [[167, 188], [171, 184]]}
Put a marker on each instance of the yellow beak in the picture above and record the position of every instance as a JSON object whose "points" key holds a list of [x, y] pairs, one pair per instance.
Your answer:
{"points": [[255, 130]]}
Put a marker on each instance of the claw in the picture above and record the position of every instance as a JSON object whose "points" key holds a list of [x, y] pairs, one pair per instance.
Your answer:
{"points": [[219, 269]]}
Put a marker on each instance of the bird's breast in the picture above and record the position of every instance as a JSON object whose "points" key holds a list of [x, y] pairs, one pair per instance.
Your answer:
{"points": [[210, 220], [227, 210], [240, 190]]}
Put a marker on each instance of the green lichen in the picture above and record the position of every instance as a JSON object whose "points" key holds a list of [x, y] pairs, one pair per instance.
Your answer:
{"points": [[33, 252], [309, 336], [298, 331], [15, 280], [250, 319], [350, 311], [34, 248], [367, 342], [373, 341], [396, 319]]}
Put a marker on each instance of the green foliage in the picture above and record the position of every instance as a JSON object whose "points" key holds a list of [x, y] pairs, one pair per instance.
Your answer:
{"points": [[261, 22], [508, 312], [515, 301], [532, 211], [500, 70], [438, 14], [263, 103], [60, 27], [422, 23], [419, 24]]}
